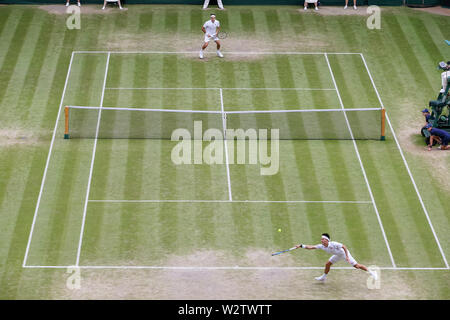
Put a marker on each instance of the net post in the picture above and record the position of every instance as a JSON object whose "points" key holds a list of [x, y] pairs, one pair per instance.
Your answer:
{"points": [[383, 124], [66, 130]]}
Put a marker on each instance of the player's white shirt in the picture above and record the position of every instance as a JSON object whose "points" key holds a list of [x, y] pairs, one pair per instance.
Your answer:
{"points": [[211, 27], [334, 248]]}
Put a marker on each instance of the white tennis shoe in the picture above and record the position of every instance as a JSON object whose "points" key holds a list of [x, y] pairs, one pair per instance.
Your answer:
{"points": [[219, 54], [321, 278], [201, 54]]}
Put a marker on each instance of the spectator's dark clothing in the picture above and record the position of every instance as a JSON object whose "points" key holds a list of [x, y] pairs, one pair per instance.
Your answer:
{"points": [[444, 135]]}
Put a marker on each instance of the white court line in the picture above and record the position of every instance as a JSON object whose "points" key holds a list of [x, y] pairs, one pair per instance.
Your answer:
{"points": [[232, 201], [48, 161], [249, 89], [224, 123], [98, 267], [92, 163], [231, 52], [407, 166], [145, 109], [361, 165], [198, 268]]}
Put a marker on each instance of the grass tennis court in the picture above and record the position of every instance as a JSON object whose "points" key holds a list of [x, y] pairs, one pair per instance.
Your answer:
{"points": [[131, 219]]}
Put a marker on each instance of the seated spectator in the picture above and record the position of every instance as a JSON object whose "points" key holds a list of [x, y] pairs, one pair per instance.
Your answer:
{"points": [[311, 1], [219, 3], [427, 115]]}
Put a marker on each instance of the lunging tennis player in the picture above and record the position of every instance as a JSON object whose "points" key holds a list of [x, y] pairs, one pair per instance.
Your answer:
{"points": [[339, 252]]}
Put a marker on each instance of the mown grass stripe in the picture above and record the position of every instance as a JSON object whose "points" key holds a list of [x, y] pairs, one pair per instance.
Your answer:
{"points": [[355, 223], [426, 40], [296, 22], [349, 31], [61, 64], [58, 216], [273, 22], [95, 96], [171, 21], [168, 218], [410, 61], [286, 80], [422, 233], [5, 13], [12, 164], [35, 67], [11, 57], [96, 224], [224, 20], [242, 228], [378, 172], [129, 237], [237, 172], [248, 22], [196, 20], [145, 21], [388, 72], [11, 24], [11, 273], [420, 49], [7, 161], [98, 228], [18, 78], [321, 121], [438, 31]]}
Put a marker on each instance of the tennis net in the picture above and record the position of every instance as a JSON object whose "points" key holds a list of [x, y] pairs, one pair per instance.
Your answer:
{"points": [[135, 123]]}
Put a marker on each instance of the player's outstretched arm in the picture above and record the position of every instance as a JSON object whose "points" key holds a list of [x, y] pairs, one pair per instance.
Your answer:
{"points": [[305, 246]]}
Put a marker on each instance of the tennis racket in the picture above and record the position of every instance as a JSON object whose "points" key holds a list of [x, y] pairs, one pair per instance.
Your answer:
{"points": [[280, 252], [222, 35]]}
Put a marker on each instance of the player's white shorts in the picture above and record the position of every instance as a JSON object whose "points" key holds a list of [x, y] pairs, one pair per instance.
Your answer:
{"points": [[311, 1], [337, 258], [208, 39]]}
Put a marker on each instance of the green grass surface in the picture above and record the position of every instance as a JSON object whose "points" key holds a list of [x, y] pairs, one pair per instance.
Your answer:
{"points": [[34, 60]]}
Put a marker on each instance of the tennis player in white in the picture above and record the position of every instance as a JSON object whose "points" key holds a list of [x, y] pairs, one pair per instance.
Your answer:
{"points": [[211, 29], [339, 252]]}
